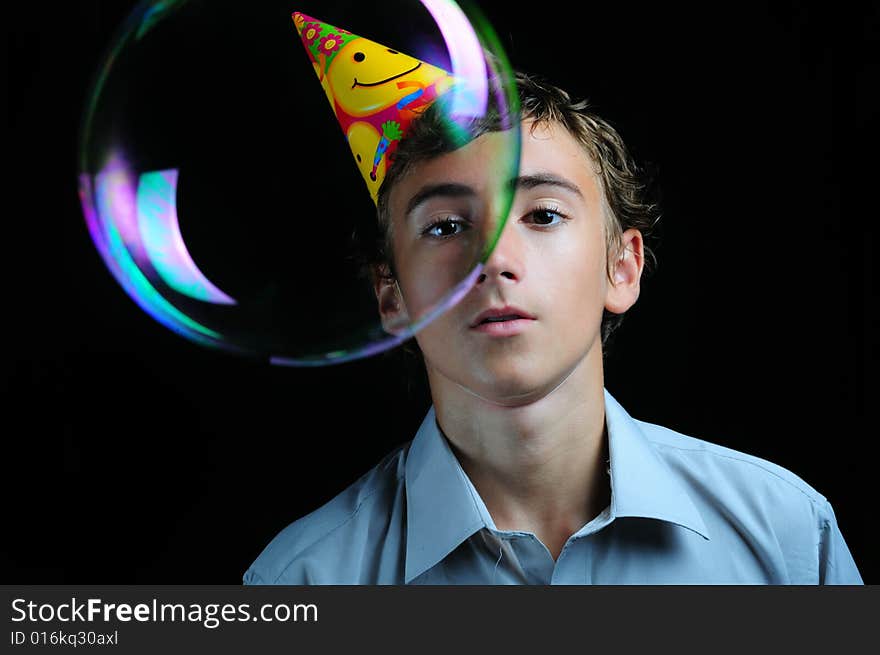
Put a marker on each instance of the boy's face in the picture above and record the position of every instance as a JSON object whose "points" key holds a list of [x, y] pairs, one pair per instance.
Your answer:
{"points": [[549, 265]]}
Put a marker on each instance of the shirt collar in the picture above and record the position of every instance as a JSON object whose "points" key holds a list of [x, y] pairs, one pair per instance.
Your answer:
{"points": [[444, 508], [642, 484], [440, 509]]}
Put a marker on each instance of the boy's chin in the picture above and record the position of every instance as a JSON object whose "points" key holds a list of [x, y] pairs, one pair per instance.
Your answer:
{"points": [[504, 382], [514, 390]]}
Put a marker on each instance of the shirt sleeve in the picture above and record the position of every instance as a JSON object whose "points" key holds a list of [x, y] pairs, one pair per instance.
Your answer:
{"points": [[251, 577], [836, 564]]}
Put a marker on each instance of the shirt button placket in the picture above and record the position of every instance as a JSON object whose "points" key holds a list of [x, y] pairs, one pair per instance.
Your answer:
{"points": [[534, 558], [568, 569]]}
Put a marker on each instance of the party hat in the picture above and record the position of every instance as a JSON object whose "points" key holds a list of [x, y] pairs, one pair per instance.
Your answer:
{"points": [[375, 91]]}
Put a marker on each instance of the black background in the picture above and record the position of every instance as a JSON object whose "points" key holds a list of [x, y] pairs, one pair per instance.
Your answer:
{"points": [[130, 455]]}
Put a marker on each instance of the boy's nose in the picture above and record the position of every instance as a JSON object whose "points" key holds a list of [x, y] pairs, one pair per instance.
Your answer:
{"points": [[505, 263]]}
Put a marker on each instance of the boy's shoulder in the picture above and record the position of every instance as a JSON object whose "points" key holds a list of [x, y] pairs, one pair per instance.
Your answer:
{"points": [[298, 554], [758, 508], [728, 470]]}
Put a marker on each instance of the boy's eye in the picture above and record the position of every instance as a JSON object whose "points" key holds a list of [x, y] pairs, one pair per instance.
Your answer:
{"points": [[546, 217], [445, 228]]}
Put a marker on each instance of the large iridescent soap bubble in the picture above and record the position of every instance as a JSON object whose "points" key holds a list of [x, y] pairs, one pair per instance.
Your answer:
{"points": [[235, 204]]}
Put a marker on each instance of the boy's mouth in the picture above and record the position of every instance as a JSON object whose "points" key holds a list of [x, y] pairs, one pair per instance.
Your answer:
{"points": [[496, 319], [501, 315]]}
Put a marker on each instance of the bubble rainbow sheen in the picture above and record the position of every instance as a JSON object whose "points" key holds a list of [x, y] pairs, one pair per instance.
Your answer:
{"points": [[135, 232]]}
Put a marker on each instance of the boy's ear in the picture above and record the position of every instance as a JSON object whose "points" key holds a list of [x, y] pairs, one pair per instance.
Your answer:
{"points": [[626, 273], [392, 309]]}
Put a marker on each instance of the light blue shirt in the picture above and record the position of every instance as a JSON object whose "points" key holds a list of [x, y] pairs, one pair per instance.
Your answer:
{"points": [[682, 511]]}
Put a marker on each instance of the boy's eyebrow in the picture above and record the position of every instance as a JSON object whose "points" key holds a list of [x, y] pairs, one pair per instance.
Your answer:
{"points": [[449, 189], [545, 179], [457, 190]]}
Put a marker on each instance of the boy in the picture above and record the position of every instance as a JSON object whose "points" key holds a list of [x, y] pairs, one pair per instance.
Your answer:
{"points": [[526, 470]]}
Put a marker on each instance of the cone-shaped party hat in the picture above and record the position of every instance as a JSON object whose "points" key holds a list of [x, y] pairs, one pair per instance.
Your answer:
{"points": [[375, 91]]}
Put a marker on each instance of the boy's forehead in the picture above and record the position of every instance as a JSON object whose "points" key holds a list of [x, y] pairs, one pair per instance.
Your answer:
{"points": [[468, 163], [549, 143], [547, 148]]}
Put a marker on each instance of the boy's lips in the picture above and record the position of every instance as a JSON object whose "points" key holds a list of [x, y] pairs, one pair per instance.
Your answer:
{"points": [[504, 328], [498, 316]]}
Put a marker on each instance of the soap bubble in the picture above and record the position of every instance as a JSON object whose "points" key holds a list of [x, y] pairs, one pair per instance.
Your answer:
{"points": [[236, 205]]}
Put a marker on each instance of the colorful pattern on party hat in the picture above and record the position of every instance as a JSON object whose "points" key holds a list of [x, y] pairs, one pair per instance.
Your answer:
{"points": [[375, 91]]}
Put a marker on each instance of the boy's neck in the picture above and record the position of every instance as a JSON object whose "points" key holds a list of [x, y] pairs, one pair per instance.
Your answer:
{"points": [[539, 467]]}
